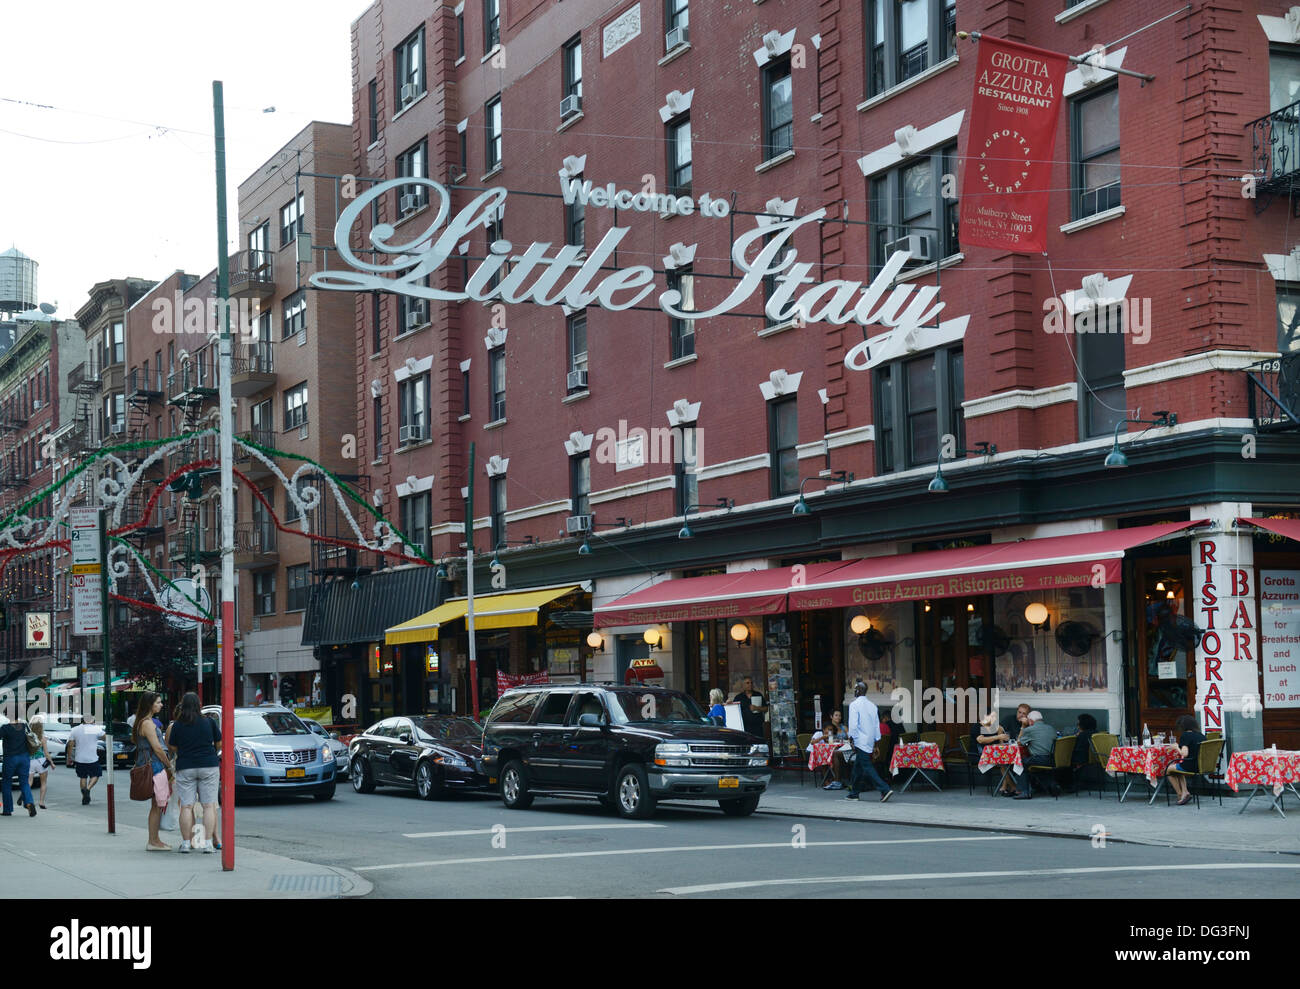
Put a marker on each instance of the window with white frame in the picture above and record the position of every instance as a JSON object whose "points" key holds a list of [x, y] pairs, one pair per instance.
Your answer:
{"points": [[677, 17], [1094, 140], [413, 407], [571, 67], [678, 134], [681, 332], [492, 133], [906, 37], [576, 334], [295, 406], [293, 318], [409, 59], [778, 108], [413, 163], [1288, 317], [496, 383], [292, 218], [417, 512], [491, 25]]}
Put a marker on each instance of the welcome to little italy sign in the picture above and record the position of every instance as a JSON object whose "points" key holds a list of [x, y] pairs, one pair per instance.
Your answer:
{"points": [[566, 278]]}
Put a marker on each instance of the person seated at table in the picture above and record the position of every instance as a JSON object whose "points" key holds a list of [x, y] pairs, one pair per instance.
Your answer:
{"points": [[1040, 739], [833, 733], [1084, 729], [987, 731], [1021, 720], [1189, 747]]}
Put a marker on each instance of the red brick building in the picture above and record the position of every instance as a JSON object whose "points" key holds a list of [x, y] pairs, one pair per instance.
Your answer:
{"points": [[860, 111]]}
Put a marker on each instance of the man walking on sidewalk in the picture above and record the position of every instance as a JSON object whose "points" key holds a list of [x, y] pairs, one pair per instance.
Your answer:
{"points": [[17, 759], [83, 753], [864, 732]]}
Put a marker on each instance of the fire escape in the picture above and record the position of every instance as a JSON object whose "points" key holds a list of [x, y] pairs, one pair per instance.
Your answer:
{"points": [[192, 389]]}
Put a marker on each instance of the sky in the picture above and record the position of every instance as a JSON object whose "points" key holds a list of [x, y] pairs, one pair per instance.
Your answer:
{"points": [[119, 179]]}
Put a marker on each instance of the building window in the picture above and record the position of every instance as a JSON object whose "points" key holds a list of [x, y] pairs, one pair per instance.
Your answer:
{"points": [[293, 318], [296, 578], [686, 483], [413, 405], [491, 25], [460, 31], [679, 156], [1100, 340], [416, 512], [909, 211], [410, 69], [906, 37], [412, 312], [291, 513], [462, 142], [778, 109], [291, 219], [576, 334], [580, 483], [464, 391], [373, 103], [783, 437], [497, 495], [114, 349], [259, 416], [1288, 318], [923, 395], [572, 67], [413, 163], [376, 311], [492, 132], [681, 332], [677, 16], [575, 220], [259, 244], [295, 406], [114, 414], [1095, 138], [496, 384], [264, 593], [378, 418]]}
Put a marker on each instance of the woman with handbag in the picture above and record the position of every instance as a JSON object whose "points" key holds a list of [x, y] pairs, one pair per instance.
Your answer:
{"points": [[152, 759], [40, 764]]}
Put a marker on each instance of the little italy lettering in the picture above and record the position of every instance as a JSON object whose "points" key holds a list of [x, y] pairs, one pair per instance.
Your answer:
{"points": [[567, 278]]}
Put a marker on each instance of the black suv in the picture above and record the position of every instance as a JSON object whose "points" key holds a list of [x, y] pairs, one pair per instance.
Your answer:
{"points": [[628, 746]]}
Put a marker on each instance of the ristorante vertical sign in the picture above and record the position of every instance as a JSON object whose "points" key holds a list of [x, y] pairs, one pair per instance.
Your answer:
{"points": [[1010, 146]]}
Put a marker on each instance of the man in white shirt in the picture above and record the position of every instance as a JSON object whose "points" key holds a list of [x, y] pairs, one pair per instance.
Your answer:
{"points": [[82, 753], [864, 732]]}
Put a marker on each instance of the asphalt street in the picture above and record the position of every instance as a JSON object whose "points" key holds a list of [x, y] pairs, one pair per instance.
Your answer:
{"points": [[470, 846]]}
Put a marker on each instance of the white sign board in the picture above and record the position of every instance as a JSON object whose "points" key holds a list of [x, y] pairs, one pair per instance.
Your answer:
{"points": [[38, 630], [85, 536], [87, 603], [1279, 636]]}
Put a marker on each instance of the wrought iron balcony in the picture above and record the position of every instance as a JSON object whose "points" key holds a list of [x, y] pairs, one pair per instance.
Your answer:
{"points": [[254, 544], [1275, 152], [252, 275], [142, 383], [1273, 393], [252, 368]]}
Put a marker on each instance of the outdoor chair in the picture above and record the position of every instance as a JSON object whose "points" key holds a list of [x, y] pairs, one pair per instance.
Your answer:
{"points": [[910, 737], [1207, 765], [1060, 760], [1102, 742], [803, 740], [1080, 776]]}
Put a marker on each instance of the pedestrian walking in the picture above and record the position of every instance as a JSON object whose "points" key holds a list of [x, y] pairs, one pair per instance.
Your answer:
{"points": [[196, 742], [864, 732], [83, 754], [40, 762], [17, 760], [150, 750], [717, 711]]}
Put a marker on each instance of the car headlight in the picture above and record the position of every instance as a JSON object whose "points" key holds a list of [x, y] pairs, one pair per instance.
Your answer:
{"points": [[326, 754], [758, 750], [451, 759], [247, 757], [672, 754]]}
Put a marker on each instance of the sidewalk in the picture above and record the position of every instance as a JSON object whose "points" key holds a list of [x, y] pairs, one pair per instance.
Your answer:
{"points": [[1260, 829], [66, 852]]}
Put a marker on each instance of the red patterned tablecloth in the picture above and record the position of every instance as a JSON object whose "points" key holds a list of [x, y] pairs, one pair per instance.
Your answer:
{"points": [[915, 755], [1001, 755], [1264, 768], [823, 753], [1151, 761]]}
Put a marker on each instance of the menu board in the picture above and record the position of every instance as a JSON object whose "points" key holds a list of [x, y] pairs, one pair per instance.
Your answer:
{"points": [[1279, 636], [780, 688]]}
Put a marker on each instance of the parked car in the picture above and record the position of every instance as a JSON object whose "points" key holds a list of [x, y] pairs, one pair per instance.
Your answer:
{"points": [[340, 750], [630, 747], [275, 752], [432, 754], [123, 747]]}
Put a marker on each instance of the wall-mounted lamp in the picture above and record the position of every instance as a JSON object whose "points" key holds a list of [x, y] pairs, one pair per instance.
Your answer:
{"points": [[652, 637], [937, 484], [685, 532], [860, 624], [596, 641], [585, 548], [970, 608], [740, 633], [1116, 458], [833, 476], [927, 607], [1036, 614]]}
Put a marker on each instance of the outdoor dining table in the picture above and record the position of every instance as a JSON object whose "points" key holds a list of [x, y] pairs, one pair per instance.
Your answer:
{"points": [[918, 756], [1275, 768], [822, 754], [1151, 761], [1007, 756]]}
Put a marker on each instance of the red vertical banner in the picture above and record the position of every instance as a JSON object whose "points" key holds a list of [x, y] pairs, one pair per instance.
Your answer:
{"points": [[1010, 146]]}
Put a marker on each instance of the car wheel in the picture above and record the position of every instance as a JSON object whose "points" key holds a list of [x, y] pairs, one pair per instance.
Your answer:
{"points": [[362, 781], [742, 807], [325, 793], [632, 792], [428, 784], [514, 786]]}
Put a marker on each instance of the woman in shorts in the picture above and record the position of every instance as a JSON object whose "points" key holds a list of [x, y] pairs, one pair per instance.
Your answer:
{"points": [[151, 751], [196, 741], [40, 765]]}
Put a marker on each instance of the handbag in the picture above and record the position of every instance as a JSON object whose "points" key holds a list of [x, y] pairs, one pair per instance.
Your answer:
{"points": [[142, 782]]}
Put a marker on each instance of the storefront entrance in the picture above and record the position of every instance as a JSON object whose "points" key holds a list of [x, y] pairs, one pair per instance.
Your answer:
{"points": [[956, 649]]}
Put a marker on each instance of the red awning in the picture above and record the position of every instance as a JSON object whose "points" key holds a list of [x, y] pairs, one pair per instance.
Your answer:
{"points": [[1000, 568], [1290, 528], [730, 595]]}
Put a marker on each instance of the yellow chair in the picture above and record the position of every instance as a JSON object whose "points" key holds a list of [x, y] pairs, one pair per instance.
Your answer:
{"points": [[1061, 753], [910, 737], [1207, 765], [1101, 743], [803, 740]]}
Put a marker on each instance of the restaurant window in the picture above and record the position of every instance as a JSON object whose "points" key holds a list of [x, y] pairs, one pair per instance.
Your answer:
{"points": [[1094, 133], [580, 483], [908, 201], [264, 593], [415, 512], [496, 384], [413, 163], [917, 402], [409, 81], [681, 332], [906, 37], [296, 596], [1168, 670], [783, 438], [292, 218], [778, 109], [686, 482], [1101, 370], [680, 158], [492, 134], [497, 497]]}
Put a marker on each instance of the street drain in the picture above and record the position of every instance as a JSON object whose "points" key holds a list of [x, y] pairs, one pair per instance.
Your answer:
{"points": [[307, 884]]}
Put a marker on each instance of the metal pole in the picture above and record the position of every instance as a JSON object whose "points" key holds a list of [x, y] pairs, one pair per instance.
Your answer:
{"points": [[227, 502], [1078, 60], [469, 588], [198, 634], [108, 668]]}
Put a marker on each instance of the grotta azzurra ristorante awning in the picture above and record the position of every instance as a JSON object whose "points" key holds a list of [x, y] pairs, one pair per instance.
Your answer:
{"points": [[1289, 528], [515, 609]]}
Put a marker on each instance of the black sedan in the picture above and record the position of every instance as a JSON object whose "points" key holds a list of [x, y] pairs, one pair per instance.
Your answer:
{"points": [[432, 754]]}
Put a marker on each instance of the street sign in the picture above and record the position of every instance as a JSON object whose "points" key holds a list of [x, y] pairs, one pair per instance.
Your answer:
{"points": [[87, 603], [38, 630], [86, 578], [84, 522]]}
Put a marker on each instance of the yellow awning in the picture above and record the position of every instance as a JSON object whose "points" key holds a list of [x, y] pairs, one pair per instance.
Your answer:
{"points": [[517, 609]]}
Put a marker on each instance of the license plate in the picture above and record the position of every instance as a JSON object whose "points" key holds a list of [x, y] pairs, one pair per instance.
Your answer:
{"points": [[295, 774], [729, 783]]}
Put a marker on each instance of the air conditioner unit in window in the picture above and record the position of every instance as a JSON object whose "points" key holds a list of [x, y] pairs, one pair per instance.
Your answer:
{"points": [[578, 523], [169, 514], [407, 203], [577, 380], [410, 434], [302, 431], [920, 246], [36, 405], [116, 428], [570, 105], [408, 92], [415, 317], [677, 37]]}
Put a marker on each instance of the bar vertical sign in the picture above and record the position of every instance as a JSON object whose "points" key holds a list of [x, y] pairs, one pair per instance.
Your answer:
{"points": [[87, 576]]}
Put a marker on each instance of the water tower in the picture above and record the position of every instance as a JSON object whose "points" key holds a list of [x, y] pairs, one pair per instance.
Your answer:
{"points": [[17, 282]]}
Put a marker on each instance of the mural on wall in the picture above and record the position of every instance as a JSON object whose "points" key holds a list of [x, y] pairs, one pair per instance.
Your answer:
{"points": [[1065, 652]]}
